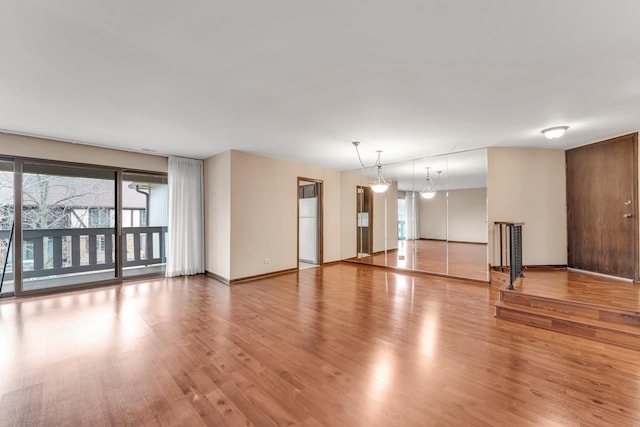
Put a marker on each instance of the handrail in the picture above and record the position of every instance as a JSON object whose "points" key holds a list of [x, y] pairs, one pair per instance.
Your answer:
{"points": [[514, 231]]}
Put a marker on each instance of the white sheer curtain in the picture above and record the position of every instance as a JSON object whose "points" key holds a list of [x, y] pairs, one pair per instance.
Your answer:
{"points": [[185, 244], [412, 205]]}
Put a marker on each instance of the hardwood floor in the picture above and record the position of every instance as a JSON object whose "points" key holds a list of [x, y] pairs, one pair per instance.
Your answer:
{"points": [[342, 345], [581, 287], [467, 260]]}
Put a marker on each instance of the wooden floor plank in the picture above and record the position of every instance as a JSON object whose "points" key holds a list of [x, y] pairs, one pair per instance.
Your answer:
{"points": [[342, 345], [581, 287], [576, 303]]}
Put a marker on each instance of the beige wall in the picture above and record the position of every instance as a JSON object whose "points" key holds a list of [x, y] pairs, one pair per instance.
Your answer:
{"points": [[348, 183], [217, 211], [467, 213], [432, 221], [528, 185], [386, 202], [264, 203], [25, 146], [460, 217], [247, 221]]}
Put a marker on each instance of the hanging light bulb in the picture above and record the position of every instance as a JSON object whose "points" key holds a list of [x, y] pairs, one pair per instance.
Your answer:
{"points": [[379, 185], [429, 191]]}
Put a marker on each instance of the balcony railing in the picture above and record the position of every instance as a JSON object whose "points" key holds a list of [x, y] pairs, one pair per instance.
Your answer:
{"points": [[49, 252]]}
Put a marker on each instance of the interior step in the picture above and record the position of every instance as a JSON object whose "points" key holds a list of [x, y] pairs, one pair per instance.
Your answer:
{"points": [[499, 278], [581, 320], [573, 308]]}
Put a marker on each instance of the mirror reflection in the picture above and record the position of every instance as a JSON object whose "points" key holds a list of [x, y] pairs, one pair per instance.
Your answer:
{"points": [[467, 229], [432, 218], [376, 220], [430, 213]]}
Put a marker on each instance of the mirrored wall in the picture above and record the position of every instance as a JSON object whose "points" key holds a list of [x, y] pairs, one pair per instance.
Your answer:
{"points": [[432, 218]]}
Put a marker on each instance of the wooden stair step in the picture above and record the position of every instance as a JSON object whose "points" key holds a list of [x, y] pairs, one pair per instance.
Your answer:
{"points": [[572, 324], [499, 278], [573, 308]]}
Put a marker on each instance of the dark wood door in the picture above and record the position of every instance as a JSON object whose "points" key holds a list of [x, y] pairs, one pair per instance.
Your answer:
{"points": [[602, 227]]}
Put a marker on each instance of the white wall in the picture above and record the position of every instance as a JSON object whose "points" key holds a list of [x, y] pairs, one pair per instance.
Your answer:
{"points": [[264, 203], [528, 185], [217, 214], [26, 146]]}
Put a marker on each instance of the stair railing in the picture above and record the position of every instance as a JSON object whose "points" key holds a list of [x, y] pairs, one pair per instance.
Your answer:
{"points": [[513, 232]]}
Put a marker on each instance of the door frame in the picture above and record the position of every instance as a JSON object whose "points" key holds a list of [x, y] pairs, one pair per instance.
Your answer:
{"points": [[17, 218], [320, 184]]}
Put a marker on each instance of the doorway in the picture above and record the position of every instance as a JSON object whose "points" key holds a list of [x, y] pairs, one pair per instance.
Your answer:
{"points": [[364, 209], [309, 222], [602, 188]]}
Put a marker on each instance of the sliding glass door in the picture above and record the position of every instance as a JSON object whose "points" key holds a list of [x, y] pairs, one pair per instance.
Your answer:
{"points": [[68, 226], [145, 201], [64, 226]]}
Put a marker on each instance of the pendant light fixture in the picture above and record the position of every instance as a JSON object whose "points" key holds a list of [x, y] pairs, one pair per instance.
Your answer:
{"points": [[429, 191], [379, 185]]}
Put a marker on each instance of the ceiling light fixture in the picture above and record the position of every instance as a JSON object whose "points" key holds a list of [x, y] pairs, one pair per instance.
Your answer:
{"points": [[429, 191], [554, 132], [379, 185]]}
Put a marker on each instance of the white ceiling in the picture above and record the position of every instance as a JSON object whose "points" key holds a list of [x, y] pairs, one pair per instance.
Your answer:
{"points": [[300, 80]]}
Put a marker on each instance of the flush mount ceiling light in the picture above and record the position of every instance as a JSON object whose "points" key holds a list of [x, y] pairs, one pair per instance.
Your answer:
{"points": [[379, 185], [554, 132], [429, 191]]}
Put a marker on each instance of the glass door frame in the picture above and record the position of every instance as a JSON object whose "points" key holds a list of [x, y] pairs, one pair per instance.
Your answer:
{"points": [[17, 237], [125, 231], [17, 246]]}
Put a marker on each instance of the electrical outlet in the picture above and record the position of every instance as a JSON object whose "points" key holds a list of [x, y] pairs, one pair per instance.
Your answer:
{"points": [[267, 261]]}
